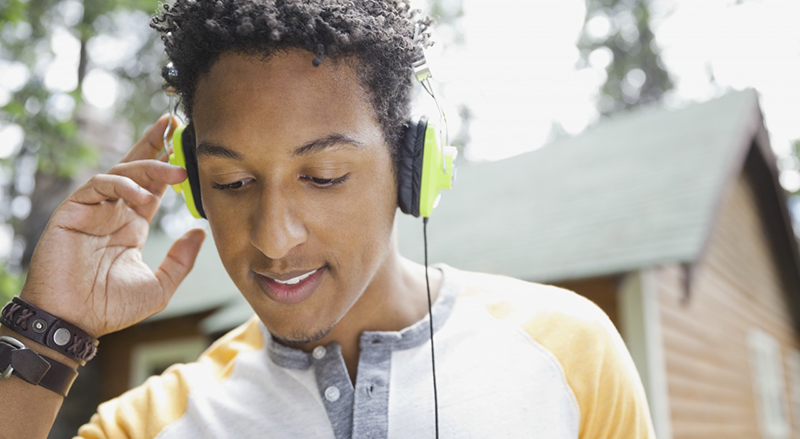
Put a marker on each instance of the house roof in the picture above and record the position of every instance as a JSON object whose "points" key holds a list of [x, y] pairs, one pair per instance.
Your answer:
{"points": [[206, 287], [638, 190], [231, 315]]}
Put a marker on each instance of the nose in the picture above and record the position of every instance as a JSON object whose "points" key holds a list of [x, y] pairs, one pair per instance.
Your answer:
{"points": [[277, 229]]}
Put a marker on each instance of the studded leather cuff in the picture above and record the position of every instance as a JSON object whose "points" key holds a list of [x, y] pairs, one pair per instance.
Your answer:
{"points": [[48, 330]]}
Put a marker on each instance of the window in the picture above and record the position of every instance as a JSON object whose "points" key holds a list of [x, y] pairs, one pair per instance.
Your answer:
{"points": [[794, 376], [154, 358], [768, 385]]}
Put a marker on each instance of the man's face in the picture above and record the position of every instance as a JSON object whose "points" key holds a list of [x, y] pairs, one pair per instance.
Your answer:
{"points": [[279, 212]]}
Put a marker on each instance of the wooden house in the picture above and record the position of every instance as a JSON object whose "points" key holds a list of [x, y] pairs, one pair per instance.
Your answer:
{"points": [[672, 221], [676, 225]]}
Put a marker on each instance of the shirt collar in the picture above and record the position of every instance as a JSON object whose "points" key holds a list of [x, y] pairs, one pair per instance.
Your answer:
{"points": [[406, 338]]}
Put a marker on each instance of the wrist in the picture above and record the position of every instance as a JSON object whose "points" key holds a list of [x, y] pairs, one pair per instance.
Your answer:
{"points": [[48, 330], [40, 349], [59, 307]]}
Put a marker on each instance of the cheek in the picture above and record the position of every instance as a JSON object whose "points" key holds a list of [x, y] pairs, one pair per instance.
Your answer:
{"points": [[363, 224], [230, 235], [228, 219]]}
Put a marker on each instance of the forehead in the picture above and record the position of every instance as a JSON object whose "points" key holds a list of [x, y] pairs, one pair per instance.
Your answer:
{"points": [[284, 97]]}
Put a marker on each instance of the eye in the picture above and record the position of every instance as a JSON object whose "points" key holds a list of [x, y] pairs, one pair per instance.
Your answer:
{"points": [[323, 183], [230, 186]]}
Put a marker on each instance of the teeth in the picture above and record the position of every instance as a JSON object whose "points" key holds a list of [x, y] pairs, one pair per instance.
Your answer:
{"points": [[296, 279]]}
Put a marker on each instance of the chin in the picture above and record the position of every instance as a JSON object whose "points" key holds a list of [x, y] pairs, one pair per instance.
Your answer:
{"points": [[304, 323], [299, 337]]}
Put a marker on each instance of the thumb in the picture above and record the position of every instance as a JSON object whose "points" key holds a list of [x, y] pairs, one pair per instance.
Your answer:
{"points": [[179, 261]]}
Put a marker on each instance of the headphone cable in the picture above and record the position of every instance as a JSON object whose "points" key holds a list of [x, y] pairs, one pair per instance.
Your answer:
{"points": [[430, 320]]}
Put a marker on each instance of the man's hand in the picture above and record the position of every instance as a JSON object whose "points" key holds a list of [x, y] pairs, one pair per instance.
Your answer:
{"points": [[87, 267]]}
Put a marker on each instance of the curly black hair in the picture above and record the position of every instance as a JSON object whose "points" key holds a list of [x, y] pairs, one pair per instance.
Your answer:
{"points": [[385, 37]]}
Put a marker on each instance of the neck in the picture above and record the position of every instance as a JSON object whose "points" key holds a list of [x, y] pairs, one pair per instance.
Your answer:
{"points": [[395, 298]]}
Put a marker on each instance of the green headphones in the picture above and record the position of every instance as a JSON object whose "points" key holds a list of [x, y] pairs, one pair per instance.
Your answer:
{"points": [[424, 168]]}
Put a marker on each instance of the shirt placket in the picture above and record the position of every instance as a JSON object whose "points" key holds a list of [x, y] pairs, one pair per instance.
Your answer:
{"points": [[335, 388], [371, 401]]}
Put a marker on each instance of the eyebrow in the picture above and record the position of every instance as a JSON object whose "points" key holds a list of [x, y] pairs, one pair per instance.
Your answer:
{"points": [[211, 150], [336, 140]]}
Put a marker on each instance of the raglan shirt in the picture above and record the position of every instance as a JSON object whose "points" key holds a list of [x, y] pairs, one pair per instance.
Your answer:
{"points": [[514, 359]]}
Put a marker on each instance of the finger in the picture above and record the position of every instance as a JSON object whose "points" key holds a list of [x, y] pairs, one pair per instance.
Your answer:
{"points": [[179, 261], [152, 142], [152, 175], [104, 187]]}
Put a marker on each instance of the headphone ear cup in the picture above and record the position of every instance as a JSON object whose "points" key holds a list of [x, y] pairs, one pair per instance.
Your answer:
{"points": [[183, 155], [410, 167], [188, 141]]}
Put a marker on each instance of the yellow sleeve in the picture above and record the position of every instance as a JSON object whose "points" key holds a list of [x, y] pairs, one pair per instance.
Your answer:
{"points": [[143, 412], [595, 360]]}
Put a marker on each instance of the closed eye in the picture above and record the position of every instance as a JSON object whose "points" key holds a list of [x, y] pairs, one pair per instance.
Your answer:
{"points": [[231, 186], [323, 183]]}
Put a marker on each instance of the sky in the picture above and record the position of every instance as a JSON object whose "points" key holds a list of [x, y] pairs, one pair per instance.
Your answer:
{"points": [[516, 69]]}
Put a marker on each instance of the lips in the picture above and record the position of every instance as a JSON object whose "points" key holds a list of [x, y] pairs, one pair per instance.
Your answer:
{"points": [[286, 276], [291, 293], [295, 280]]}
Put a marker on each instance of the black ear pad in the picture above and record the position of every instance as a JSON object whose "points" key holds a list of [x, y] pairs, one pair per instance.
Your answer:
{"points": [[189, 148], [409, 169]]}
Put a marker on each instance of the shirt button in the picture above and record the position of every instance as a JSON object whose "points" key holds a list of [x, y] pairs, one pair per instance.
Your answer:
{"points": [[332, 393], [318, 352]]}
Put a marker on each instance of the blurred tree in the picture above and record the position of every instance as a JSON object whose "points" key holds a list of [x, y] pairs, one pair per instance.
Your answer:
{"points": [[63, 139], [617, 36], [792, 164], [794, 160], [448, 14], [53, 56], [449, 32], [10, 284], [789, 169]]}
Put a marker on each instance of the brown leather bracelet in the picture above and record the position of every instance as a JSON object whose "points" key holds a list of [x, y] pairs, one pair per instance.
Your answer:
{"points": [[34, 368], [48, 330]]}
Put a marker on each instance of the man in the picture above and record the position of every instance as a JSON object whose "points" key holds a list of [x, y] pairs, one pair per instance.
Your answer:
{"points": [[298, 110]]}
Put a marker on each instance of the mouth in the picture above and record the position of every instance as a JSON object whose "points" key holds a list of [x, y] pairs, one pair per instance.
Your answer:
{"points": [[293, 290]]}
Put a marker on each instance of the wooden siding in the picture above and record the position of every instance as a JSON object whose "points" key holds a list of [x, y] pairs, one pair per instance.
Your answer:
{"points": [[736, 285]]}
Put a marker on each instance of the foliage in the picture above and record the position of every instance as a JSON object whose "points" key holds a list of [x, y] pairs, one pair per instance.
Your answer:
{"points": [[791, 166], [791, 163], [52, 120], [636, 74], [10, 285], [447, 15]]}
